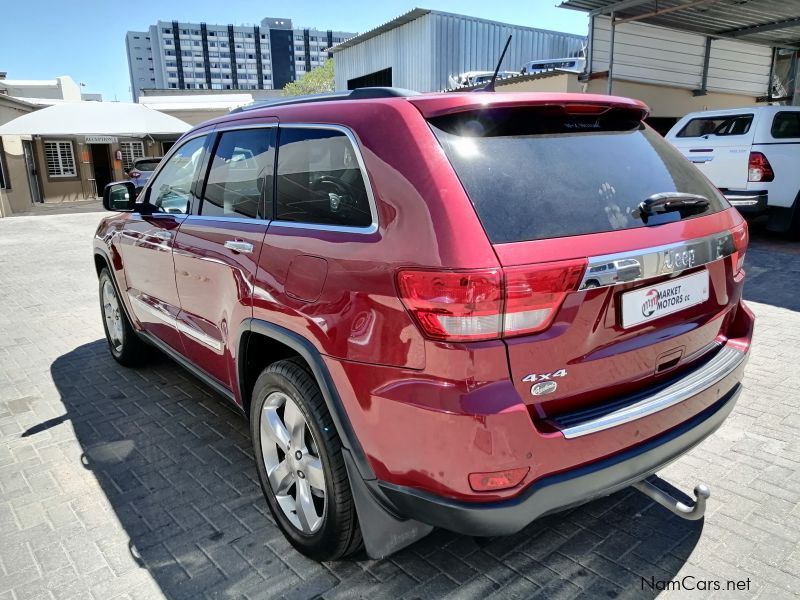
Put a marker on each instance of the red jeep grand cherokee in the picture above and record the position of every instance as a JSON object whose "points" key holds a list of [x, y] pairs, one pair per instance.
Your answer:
{"points": [[456, 310]]}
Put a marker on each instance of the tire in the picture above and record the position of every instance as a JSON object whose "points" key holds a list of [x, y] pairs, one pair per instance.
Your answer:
{"points": [[125, 345], [317, 516]]}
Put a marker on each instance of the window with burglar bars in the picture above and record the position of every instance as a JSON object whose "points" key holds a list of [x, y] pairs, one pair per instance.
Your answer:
{"points": [[60, 159], [131, 151]]}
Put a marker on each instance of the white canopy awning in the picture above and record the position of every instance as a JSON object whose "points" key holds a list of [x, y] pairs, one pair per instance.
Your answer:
{"points": [[95, 118]]}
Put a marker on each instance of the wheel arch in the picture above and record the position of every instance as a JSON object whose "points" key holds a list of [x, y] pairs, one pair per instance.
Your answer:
{"points": [[255, 335]]}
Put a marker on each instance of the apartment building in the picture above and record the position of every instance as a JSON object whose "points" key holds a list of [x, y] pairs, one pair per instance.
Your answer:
{"points": [[177, 55]]}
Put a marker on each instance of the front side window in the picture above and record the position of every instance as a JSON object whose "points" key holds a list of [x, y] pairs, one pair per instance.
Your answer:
{"points": [[786, 125], [240, 180], [718, 125], [171, 190], [319, 179], [60, 159]]}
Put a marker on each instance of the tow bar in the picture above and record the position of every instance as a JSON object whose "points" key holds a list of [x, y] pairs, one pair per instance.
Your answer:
{"points": [[691, 513]]}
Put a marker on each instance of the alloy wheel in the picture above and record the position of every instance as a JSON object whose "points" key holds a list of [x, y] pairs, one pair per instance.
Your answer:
{"points": [[112, 315], [291, 458]]}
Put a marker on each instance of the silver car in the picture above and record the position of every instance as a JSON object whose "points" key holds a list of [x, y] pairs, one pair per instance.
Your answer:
{"points": [[142, 169]]}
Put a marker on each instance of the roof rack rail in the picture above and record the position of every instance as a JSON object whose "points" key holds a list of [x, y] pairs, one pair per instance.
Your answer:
{"points": [[365, 93]]}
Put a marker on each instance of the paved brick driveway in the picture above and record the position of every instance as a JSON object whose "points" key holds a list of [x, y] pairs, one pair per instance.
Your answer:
{"points": [[140, 484]]}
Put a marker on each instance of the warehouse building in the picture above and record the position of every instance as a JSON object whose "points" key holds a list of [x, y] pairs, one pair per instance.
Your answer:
{"points": [[423, 48], [680, 56]]}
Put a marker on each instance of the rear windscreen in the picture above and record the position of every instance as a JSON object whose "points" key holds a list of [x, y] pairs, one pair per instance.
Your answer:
{"points": [[541, 173], [147, 165]]}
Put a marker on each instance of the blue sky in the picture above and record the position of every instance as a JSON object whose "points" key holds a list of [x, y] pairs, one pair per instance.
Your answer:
{"points": [[92, 49]]}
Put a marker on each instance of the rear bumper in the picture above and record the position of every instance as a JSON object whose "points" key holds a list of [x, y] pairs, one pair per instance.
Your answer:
{"points": [[563, 490], [748, 202]]}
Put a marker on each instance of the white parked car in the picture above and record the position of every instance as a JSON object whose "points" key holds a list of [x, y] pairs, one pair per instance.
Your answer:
{"points": [[477, 78], [752, 155], [574, 65]]}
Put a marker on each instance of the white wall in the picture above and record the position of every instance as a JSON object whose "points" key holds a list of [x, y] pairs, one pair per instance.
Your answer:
{"points": [[424, 52], [406, 49], [651, 54]]}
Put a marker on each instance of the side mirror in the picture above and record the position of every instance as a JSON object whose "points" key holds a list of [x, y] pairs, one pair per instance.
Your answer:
{"points": [[120, 196]]}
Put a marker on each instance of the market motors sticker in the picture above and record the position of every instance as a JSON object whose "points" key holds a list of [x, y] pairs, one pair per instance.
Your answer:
{"points": [[647, 304]]}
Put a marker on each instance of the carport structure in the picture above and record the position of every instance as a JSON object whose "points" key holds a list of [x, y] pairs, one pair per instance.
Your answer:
{"points": [[772, 23]]}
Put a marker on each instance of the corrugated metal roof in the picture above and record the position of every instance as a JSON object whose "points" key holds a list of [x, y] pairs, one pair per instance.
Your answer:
{"points": [[420, 12], [396, 22], [765, 22]]}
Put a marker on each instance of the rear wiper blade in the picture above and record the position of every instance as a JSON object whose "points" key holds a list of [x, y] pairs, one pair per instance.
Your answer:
{"points": [[665, 202]]}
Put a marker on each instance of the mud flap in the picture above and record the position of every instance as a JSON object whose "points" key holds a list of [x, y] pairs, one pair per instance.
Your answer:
{"points": [[383, 532]]}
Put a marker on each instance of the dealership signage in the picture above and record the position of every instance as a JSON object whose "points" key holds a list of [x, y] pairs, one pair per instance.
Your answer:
{"points": [[101, 139]]}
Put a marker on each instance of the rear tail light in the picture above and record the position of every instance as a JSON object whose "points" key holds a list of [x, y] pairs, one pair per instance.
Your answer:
{"points": [[134, 174], [490, 303], [455, 306], [497, 480], [741, 237], [758, 168], [533, 294]]}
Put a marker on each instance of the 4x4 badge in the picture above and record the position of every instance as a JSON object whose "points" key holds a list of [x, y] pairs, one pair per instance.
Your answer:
{"points": [[534, 377]]}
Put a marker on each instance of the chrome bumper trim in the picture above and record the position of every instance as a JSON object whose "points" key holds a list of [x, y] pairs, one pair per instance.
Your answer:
{"points": [[723, 364]]}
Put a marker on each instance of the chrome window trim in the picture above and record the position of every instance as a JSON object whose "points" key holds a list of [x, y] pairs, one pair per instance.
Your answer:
{"points": [[726, 361], [229, 219], [662, 260], [369, 229], [373, 208]]}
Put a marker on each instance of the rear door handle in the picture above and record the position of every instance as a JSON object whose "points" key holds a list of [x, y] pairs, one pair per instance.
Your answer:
{"points": [[239, 246]]}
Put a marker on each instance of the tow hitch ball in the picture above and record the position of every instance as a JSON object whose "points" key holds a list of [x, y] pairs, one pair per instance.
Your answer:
{"points": [[692, 513]]}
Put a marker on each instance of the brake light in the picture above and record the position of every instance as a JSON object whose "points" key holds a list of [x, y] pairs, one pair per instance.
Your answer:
{"points": [[534, 293], [497, 480], [758, 168], [454, 306], [741, 238], [585, 109], [134, 174], [489, 303]]}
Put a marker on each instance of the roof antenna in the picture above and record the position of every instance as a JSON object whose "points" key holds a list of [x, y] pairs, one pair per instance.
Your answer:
{"points": [[490, 86]]}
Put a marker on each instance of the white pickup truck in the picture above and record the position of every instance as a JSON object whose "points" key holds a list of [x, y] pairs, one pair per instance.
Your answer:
{"points": [[752, 155]]}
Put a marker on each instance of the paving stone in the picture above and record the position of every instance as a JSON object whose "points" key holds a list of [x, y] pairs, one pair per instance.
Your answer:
{"points": [[140, 484]]}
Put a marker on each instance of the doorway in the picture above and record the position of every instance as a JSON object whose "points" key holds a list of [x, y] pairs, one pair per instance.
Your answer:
{"points": [[377, 79], [30, 169], [101, 164]]}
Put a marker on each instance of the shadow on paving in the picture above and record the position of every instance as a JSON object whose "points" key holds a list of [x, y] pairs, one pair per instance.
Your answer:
{"points": [[175, 463], [772, 265]]}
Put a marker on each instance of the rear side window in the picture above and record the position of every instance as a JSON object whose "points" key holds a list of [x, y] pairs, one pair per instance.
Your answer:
{"points": [[786, 125], [320, 180], [719, 125], [240, 180], [537, 174]]}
